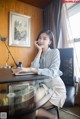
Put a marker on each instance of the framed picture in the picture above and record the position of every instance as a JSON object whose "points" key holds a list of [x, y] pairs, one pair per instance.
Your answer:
{"points": [[19, 30]]}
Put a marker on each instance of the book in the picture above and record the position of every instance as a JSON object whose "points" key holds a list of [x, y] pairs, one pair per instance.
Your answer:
{"points": [[16, 72]]}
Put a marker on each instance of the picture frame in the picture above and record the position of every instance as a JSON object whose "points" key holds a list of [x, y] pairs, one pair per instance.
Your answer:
{"points": [[19, 30]]}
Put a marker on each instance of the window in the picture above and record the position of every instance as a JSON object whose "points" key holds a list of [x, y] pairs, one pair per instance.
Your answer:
{"points": [[74, 19], [75, 23]]}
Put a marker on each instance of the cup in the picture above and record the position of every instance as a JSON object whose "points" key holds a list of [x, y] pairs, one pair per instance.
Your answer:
{"points": [[19, 64]]}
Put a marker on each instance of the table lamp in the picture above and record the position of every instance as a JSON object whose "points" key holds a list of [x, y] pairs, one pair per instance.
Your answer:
{"points": [[9, 53]]}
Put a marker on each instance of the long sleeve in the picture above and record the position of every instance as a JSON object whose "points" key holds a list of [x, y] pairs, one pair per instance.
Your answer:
{"points": [[35, 63], [51, 64], [53, 69]]}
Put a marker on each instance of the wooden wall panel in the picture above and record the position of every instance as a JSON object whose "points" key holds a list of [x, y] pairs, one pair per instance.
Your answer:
{"points": [[25, 55]]}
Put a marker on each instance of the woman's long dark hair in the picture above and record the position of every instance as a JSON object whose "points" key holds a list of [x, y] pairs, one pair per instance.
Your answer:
{"points": [[51, 37]]}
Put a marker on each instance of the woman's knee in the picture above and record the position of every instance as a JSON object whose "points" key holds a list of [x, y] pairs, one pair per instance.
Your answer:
{"points": [[47, 105], [40, 93]]}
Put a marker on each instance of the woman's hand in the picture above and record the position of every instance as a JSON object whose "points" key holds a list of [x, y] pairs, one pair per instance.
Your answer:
{"points": [[23, 69], [20, 70], [37, 46], [28, 70]]}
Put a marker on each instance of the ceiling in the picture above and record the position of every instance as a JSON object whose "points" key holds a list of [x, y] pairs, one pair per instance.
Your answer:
{"points": [[37, 3]]}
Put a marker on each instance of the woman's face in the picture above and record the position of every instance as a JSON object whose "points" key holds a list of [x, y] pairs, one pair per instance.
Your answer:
{"points": [[44, 41]]}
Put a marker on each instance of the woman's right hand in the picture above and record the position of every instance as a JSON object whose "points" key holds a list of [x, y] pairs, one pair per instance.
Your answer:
{"points": [[37, 46]]}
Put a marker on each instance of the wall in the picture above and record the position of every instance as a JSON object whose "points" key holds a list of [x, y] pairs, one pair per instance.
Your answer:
{"points": [[25, 55]]}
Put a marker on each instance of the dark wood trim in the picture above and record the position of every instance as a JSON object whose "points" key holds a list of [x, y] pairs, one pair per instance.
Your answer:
{"points": [[37, 3]]}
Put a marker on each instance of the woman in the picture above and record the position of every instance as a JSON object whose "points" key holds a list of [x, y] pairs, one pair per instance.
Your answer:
{"points": [[47, 62]]}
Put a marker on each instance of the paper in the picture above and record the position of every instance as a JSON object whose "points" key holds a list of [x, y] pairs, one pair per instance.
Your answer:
{"points": [[16, 72]]}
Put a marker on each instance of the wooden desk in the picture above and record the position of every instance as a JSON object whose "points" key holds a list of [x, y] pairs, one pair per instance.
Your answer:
{"points": [[6, 77]]}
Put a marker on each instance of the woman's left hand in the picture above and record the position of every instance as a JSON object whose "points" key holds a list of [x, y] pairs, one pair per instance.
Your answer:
{"points": [[23, 69], [28, 70]]}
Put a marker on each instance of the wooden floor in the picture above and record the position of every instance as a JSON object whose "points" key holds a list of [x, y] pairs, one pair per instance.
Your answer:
{"points": [[67, 113], [75, 109]]}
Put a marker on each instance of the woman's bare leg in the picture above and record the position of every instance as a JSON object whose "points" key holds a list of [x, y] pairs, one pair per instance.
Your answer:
{"points": [[43, 113]]}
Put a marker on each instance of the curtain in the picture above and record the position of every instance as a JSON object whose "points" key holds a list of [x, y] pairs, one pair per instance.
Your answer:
{"points": [[55, 18], [52, 18], [65, 32], [68, 41]]}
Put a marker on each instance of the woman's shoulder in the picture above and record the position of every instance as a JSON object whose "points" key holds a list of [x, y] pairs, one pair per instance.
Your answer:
{"points": [[54, 50]]}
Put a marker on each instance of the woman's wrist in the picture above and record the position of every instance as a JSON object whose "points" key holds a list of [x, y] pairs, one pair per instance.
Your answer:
{"points": [[40, 50], [34, 70]]}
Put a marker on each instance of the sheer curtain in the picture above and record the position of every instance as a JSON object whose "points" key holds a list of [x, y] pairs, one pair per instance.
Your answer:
{"points": [[69, 42], [66, 39]]}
